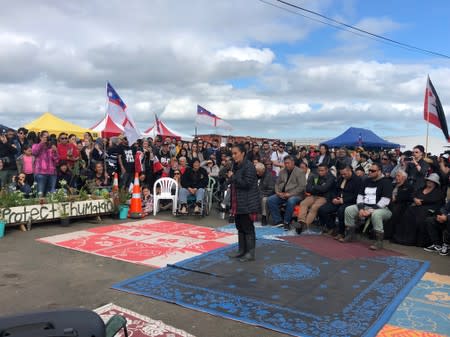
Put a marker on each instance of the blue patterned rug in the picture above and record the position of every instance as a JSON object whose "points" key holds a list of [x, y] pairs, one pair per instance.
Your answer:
{"points": [[262, 232], [288, 289]]}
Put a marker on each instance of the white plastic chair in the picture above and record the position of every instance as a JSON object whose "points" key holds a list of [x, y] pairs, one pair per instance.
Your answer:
{"points": [[166, 193]]}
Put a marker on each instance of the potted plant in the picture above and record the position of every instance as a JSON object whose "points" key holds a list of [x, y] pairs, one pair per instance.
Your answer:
{"points": [[2, 226], [64, 217], [123, 200]]}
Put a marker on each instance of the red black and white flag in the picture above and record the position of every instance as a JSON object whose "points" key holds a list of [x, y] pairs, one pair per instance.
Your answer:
{"points": [[432, 109]]}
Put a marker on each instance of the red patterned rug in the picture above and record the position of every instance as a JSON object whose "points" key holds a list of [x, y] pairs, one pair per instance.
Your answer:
{"points": [[149, 242], [138, 325], [333, 249]]}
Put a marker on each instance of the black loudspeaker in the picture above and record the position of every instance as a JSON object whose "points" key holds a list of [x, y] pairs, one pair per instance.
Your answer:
{"points": [[56, 323]]}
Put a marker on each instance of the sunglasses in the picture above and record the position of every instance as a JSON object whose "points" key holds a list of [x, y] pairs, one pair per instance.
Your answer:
{"points": [[372, 171], [63, 138], [384, 158], [177, 173]]}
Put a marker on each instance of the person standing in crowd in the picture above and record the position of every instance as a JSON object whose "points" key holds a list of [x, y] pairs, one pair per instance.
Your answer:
{"points": [[46, 159], [266, 185], [323, 157], [319, 189], [112, 157], [67, 151], [277, 157], [254, 154], [265, 152], [21, 139], [25, 164], [289, 189], [245, 203], [417, 168], [8, 157], [372, 201], [126, 163], [348, 186]]}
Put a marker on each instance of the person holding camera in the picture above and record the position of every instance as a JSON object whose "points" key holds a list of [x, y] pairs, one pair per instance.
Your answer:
{"points": [[46, 160], [19, 184], [417, 168]]}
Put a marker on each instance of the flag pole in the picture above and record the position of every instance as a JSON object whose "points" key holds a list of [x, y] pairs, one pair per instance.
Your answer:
{"points": [[428, 117]]}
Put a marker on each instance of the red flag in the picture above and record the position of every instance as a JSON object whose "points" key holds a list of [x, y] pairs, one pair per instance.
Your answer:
{"points": [[433, 111]]}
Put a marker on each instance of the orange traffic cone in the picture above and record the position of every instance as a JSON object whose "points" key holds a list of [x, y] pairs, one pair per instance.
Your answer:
{"points": [[136, 202], [115, 185]]}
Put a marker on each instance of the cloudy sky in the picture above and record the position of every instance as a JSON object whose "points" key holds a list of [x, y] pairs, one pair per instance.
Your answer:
{"points": [[265, 70]]}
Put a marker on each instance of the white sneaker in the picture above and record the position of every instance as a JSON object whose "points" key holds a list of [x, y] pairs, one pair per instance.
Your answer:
{"points": [[433, 248], [444, 250]]}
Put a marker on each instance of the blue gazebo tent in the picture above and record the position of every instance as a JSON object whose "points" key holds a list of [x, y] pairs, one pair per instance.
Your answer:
{"points": [[365, 138]]}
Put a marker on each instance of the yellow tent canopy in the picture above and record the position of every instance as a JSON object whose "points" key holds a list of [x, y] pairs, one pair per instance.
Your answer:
{"points": [[56, 125]]}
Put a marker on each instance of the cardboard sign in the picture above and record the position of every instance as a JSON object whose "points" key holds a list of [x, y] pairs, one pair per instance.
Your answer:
{"points": [[35, 213]]}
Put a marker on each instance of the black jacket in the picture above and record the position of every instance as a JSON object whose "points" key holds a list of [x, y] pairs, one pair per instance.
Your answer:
{"points": [[350, 190], [245, 183], [405, 194], [266, 184], [7, 155], [194, 179], [321, 186]]}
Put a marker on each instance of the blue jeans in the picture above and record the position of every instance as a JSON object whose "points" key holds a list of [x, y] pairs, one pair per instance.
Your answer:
{"points": [[184, 193], [274, 202], [46, 183]]}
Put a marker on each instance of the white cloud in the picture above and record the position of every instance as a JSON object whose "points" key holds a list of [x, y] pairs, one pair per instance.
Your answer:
{"points": [[166, 57]]}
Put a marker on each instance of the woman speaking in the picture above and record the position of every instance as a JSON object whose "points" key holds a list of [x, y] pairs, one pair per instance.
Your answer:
{"points": [[245, 202]]}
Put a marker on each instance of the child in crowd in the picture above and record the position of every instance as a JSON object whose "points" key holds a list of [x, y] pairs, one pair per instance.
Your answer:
{"points": [[25, 164], [147, 201]]}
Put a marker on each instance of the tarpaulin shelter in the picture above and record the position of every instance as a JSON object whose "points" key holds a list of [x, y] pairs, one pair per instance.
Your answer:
{"points": [[106, 128], [159, 128], [56, 125], [365, 138]]}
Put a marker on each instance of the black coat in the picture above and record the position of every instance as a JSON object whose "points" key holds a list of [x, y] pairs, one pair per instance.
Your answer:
{"points": [[194, 179], [245, 183], [321, 186], [350, 191], [266, 184]]}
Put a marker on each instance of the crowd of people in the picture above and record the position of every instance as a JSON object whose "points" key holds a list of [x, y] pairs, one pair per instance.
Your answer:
{"points": [[400, 194]]}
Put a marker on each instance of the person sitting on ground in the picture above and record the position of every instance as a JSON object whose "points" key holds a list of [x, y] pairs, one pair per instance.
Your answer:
{"points": [[289, 190], [64, 176], [99, 177], [438, 228], [19, 184], [319, 189], [193, 182], [372, 201], [266, 185], [402, 197], [348, 186], [411, 230], [147, 201]]}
